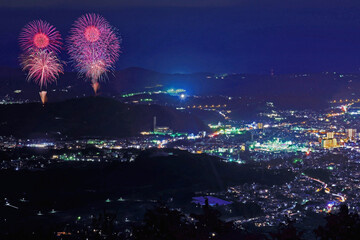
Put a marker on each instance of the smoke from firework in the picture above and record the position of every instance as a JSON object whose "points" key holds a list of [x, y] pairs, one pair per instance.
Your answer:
{"points": [[39, 34], [93, 46], [43, 66]]}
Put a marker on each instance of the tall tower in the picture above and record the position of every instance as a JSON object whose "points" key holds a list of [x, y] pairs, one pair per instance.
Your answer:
{"points": [[154, 123]]}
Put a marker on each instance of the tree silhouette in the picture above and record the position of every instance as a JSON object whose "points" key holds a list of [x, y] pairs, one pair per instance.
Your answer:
{"points": [[287, 231], [161, 223], [104, 223], [340, 226]]}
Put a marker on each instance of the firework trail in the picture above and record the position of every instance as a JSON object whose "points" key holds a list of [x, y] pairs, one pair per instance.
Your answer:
{"points": [[43, 67], [40, 35], [93, 47]]}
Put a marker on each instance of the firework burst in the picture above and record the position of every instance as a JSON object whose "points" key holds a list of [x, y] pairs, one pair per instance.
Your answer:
{"points": [[43, 67], [93, 47], [40, 35]]}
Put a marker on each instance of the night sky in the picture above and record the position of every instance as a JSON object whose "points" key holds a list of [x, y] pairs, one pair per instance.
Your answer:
{"points": [[208, 35]]}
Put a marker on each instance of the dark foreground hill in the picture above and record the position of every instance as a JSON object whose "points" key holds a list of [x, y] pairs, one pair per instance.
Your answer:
{"points": [[154, 173], [93, 116], [81, 189]]}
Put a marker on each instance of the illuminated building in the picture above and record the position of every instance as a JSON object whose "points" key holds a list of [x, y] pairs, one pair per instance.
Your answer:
{"points": [[260, 125], [329, 135], [163, 130], [160, 129], [351, 133], [329, 141]]}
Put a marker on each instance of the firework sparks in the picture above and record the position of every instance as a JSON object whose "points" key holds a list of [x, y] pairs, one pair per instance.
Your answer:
{"points": [[40, 35], [93, 47], [43, 67], [43, 96], [40, 42]]}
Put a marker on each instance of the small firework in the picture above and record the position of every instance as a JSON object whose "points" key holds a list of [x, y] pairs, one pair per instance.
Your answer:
{"points": [[93, 47], [40, 35], [43, 67], [43, 96]]}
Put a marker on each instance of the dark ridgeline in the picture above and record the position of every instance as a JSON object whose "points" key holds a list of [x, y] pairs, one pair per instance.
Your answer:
{"points": [[291, 90], [92, 116]]}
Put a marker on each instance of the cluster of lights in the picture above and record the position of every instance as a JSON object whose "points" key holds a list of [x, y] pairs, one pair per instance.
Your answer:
{"points": [[278, 146], [206, 106]]}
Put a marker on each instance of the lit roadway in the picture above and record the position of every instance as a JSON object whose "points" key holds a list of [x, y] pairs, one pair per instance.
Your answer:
{"points": [[340, 197]]}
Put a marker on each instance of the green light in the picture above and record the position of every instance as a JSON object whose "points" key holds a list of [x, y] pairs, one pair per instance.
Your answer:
{"points": [[175, 91], [132, 94], [304, 201], [296, 160]]}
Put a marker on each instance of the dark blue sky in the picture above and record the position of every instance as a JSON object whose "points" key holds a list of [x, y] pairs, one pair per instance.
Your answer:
{"points": [[212, 35]]}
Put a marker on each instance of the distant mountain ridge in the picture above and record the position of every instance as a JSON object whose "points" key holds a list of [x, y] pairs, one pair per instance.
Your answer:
{"points": [[294, 87]]}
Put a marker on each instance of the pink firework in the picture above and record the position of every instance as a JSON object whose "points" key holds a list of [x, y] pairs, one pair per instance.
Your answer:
{"points": [[39, 34], [43, 67], [93, 46]]}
